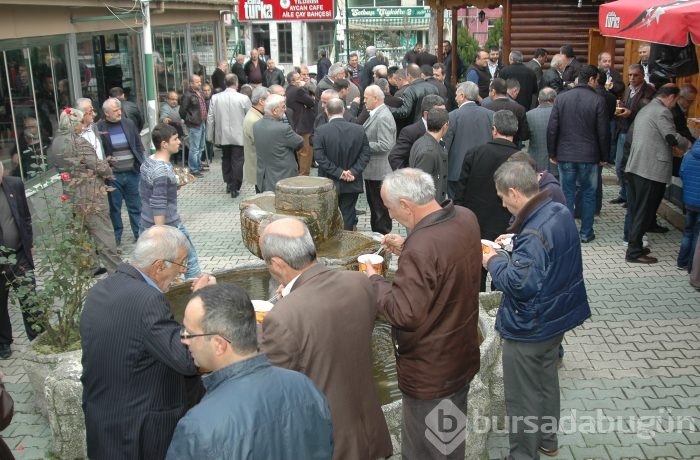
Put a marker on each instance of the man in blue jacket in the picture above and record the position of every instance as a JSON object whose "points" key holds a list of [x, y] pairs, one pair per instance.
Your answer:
{"points": [[543, 297], [251, 409]]}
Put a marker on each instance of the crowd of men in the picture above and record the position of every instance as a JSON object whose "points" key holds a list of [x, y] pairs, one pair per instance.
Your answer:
{"points": [[444, 162]]}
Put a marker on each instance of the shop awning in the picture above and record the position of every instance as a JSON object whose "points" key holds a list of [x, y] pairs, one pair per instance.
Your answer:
{"points": [[374, 24]]}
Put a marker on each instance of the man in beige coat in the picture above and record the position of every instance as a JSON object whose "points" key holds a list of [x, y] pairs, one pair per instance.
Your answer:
{"points": [[250, 164], [322, 326], [224, 128]]}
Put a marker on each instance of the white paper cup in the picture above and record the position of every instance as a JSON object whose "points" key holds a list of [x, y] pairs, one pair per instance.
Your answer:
{"points": [[375, 260], [262, 308]]}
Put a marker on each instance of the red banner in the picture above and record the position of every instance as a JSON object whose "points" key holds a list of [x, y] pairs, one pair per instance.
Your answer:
{"points": [[286, 10]]}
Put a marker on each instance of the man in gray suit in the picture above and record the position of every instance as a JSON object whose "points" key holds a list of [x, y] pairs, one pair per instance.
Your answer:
{"points": [[648, 169], [380, 129], [537, 120], [538, 60], [276, 145], [225, 128], [470, 126]]}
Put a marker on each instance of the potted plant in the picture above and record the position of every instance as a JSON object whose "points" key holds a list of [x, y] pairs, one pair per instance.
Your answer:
{"points": [[64, 251]]}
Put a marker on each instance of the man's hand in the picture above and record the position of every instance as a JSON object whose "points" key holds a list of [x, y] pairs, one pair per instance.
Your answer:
{"points": [[487, 256], [393, 243], [204, 280], [553, 161], [347, 176], [623, 112]]}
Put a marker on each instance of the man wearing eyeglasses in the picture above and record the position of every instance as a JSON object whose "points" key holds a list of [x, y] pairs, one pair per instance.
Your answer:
{"points": [[135, 369], [244, 391], [302, 333]]}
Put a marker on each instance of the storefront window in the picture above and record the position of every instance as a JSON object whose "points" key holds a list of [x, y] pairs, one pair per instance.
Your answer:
{"points": [[170, 61], [284, 42], [107, 61], [203, 49], [34, 88]]}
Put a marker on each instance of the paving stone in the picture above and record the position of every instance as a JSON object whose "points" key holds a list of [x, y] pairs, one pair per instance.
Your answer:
{"points": [[625, 452], [589, 453], [667, 450]]}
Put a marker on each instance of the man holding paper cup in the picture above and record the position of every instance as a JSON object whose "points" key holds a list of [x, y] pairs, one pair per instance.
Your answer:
{"points": [[432, 305], [543, 297], [322, 326]]}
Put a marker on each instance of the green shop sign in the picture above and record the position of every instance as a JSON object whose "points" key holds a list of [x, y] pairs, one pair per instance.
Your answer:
{"points": [[390, 12]]}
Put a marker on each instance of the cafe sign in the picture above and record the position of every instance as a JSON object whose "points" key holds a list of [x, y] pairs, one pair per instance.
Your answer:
{"points": [[390, 12], [285, 10]]}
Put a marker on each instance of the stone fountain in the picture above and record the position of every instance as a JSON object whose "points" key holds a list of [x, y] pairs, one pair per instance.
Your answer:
{"points": [[313, 200]]}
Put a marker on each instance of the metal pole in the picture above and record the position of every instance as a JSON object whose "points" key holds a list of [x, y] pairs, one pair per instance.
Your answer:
{"points": [[149, 71], [347, 33]]}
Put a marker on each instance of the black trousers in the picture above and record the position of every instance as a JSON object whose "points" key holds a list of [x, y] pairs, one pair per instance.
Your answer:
{"points": [[346, 203], [12, 278], [643, 198], [232, 166], [379, 214]]}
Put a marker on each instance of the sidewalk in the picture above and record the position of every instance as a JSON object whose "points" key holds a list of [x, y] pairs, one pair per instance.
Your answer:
{"points": [[637, 355]]}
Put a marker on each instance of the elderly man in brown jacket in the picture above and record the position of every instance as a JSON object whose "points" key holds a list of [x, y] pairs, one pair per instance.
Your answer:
{"points": [[433, 307], [322, 326]]}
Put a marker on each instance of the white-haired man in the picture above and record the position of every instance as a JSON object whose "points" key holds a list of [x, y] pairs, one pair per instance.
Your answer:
{"points": [[275, 144], [432, 305]]}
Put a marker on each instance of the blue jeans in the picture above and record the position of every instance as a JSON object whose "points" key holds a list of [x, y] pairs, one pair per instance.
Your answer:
{"points": [[197, 143], [613, 142], [586, 176], [126, 185], [622, 194], [193, 269], [689, 239]]}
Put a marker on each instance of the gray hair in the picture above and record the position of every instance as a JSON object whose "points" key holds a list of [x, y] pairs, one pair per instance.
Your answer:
{"points": [[160, 242], [295, 251], [469, 89], [81, 102], [383, 84], [330, 92], [335, 106], [111, 101], [259, 93], [231, 79], [411, 184], [375, 91], [275, 88], [547, 94], [371, 51], [336, 69], [516, 56], [505, 123], [229, 312], [272, 102], [557, 61], [68, 121], [518, 175]]}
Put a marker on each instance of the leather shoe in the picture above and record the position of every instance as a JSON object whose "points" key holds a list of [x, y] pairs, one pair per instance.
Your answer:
{"points": [[197, 174], [646, 251], [644, 259], [549, 452], [657, 229], [617, 200], [588, 240], [234, 193], [5, 351]]}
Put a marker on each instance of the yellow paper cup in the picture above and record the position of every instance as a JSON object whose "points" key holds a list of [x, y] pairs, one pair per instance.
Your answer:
{"points": [[262, 308], [375, 260]]}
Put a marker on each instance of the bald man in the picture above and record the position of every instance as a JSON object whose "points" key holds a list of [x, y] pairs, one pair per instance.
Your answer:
{"points": [[301, 333]]}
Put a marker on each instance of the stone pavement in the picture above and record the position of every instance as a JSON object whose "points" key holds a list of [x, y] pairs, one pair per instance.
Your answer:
{"points": [[637, 357]]}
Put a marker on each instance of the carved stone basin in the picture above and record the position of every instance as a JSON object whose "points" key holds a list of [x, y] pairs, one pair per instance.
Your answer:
{"points": [[313, 200]]}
